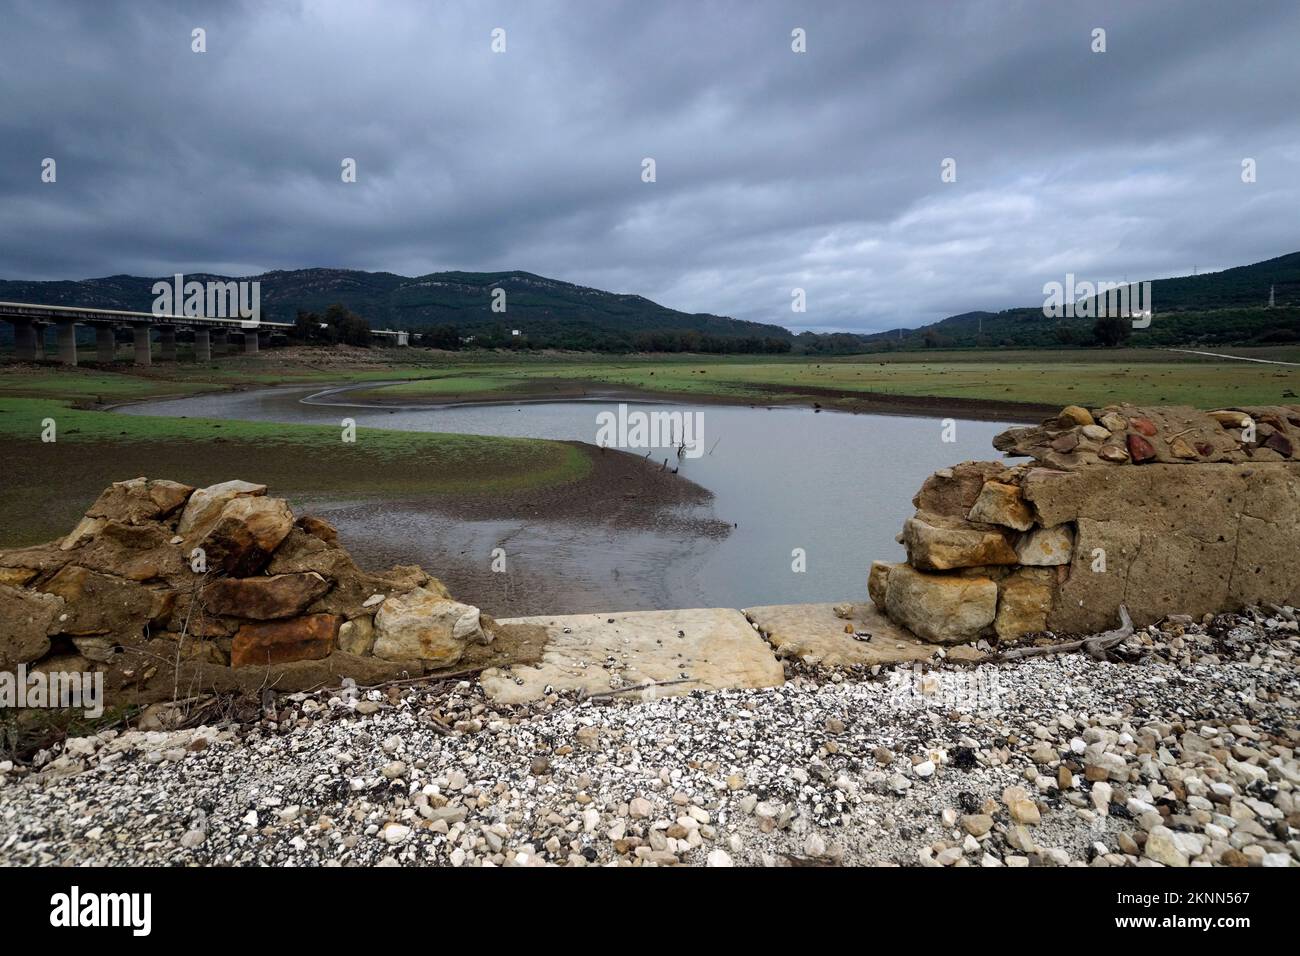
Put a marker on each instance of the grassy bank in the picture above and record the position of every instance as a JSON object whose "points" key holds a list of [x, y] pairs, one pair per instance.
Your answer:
{"points": [[49, 484], [1040, 378], [1032, 377]]}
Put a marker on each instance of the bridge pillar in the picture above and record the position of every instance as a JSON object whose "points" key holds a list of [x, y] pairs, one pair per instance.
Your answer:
{"points": [[40, 339], [141, 335], [24, 340], [67, 339], [220, 343], [202, 345], [105, 343], [264, 340], [167, 343], [250, 342]]}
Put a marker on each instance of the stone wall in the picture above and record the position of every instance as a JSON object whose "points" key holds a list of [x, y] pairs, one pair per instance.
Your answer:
{"points": [[165, 587], [1165, 510]]}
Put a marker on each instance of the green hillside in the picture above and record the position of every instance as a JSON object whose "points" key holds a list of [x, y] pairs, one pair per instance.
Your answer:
{"points": [[1217, 308], [547, 312]]}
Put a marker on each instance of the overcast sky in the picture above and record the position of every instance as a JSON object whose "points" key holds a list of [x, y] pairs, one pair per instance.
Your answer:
{"points": [[775, 169]]}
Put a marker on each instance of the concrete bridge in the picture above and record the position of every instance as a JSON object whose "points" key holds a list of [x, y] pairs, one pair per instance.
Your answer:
{"points": [[211, 335]]}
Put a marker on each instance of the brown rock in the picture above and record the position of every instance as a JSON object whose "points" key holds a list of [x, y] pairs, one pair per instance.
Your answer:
{"points": [[243, 537], [1002, 504], [1143, 425], [98, 603], [1076, 415], [1139, 449], [422, 625], [307, 638], [1114, 422], [943, 609], [85, 530], [937, 544], [1231, 419], [1112, 453], [1065, 443], [1024, 601], [951, 492], [877, 581], [139, 499], [1175, 539], [357, 636], [137, 552], [16, 577], [319, 528], [264, 598], [1280, 444], [205, 505], [26, 620], [1044, 547], [1180, 448]]}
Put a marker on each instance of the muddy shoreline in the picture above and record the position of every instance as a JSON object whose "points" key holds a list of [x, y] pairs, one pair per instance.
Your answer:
{"points": [[806, 396]]}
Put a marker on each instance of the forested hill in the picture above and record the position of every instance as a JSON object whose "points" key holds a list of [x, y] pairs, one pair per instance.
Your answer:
{"points": [[545, 311]]}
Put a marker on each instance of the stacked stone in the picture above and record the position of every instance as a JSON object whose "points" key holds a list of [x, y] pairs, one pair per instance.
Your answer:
{"points": [[1128, 434], [224, 577], [999, 552], [977, 564]]}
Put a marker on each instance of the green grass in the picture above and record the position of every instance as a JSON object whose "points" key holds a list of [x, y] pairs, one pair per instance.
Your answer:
{"points": [[425, 461], [1051, 378], [1046, 376]]}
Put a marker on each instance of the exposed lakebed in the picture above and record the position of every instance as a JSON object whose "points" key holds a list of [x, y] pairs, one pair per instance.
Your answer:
{"points": [[825, 490]]}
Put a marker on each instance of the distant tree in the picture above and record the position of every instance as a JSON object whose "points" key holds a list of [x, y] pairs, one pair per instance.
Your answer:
{"points": [[306, 327], [441, 337], [346, 326], [1111, 330]]}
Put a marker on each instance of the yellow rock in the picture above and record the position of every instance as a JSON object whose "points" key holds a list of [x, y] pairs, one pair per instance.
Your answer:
{"points": [[1076, 414]]}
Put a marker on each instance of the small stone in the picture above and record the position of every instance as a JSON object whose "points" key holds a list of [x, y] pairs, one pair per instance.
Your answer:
{"points": [[1162, 848], [396, 833], [1101, 794], [977, 824], [1076, 415], [1139, 449], [1112, 453], [1043, 754]]}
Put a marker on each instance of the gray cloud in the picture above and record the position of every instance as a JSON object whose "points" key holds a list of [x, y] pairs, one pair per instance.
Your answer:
{"points": [[775, 169]]}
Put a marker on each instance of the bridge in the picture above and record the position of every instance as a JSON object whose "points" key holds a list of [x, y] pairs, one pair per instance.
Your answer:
{"points": [[211, 335]]}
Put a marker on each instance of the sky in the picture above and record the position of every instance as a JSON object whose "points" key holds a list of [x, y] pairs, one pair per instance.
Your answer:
{"points": [[774, 169]]}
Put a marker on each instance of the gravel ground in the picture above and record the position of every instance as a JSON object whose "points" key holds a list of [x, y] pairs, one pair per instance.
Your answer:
{"points": [[1181, 751]]}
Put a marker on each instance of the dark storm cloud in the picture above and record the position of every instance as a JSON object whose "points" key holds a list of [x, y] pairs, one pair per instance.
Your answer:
{"points": [[775, 170]]}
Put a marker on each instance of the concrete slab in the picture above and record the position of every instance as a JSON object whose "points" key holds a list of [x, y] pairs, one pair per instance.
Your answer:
{"points": [[712, 648], [814, 634]]}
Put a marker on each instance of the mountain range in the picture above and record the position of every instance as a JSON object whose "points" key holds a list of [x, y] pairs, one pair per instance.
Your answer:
{"points": [[546, 311], [1227, 307]]}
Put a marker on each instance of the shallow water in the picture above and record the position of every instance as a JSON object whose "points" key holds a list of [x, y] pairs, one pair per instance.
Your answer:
{"points": [[827, 490]]}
